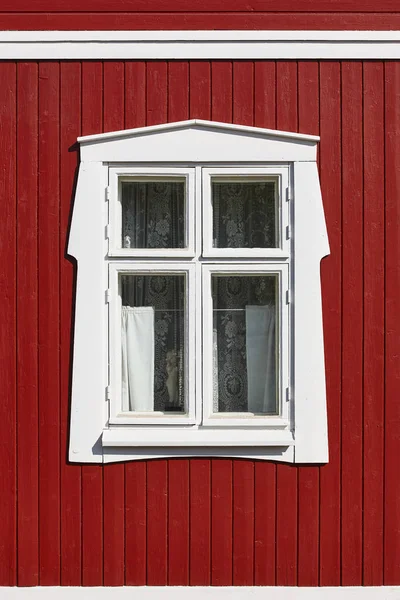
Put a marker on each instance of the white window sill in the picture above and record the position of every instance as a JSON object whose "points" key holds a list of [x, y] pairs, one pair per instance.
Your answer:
{"points": [[173, 437]]}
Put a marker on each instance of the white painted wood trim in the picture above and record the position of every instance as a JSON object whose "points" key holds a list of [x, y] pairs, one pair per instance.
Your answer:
{"points": [[138, 131], [147, 45], [201, 593]]}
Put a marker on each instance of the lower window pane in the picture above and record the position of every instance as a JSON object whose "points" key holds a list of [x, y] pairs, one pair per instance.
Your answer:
{"points": [[153, 347], [245, 351]]}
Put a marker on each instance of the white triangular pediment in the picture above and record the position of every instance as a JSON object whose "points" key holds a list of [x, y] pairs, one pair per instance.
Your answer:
{"points": [[198, 141]]}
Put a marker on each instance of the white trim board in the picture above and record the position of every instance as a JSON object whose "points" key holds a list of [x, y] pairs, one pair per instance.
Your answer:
{"points": [[148, 45], [201, 593]]}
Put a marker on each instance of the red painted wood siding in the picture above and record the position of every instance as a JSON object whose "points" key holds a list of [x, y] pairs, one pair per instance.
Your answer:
{"points": [[199, 14], [205, 521]]}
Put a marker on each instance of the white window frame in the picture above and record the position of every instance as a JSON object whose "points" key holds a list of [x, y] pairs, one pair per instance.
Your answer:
{"points": [[117, 416], [128, 173], [196, 149], [282, 419]]}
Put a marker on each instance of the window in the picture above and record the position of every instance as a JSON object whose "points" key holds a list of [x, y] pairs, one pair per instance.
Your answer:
{"points": [[198, 323]]}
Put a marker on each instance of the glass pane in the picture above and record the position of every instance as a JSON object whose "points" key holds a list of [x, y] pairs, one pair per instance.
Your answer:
{"points": [[245, 214], [153, 214], [153, 347], [245, 363]]}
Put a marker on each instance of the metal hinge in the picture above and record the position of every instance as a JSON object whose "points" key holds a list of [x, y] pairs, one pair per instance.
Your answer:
{"points": [[288, 232], [288, 297], [107, 193], [108, 296], [108, 392], [108, 229], [288, 194], [288, 395]]}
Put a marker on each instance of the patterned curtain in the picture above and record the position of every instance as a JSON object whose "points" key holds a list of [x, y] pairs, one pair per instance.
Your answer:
{"points": [[153, 214], [231, 296]]}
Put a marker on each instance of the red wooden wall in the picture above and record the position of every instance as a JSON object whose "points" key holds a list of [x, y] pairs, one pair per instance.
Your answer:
{"points": [[199, 14], [201, 521]]}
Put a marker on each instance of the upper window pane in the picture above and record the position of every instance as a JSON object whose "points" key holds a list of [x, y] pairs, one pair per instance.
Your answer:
{"points": [[153, 213], [245, 213]]}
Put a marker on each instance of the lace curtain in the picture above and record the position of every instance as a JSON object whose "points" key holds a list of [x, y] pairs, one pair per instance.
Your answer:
{"points": [[153, 214], [244, 355], [244, 214]]}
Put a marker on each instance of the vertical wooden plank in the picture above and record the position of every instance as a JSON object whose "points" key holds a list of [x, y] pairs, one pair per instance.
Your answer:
{"points": [[135, 523], [243, 92], [49, 318], [135, 472], [92, 476], [178, 91], [265, 94], [243, 522], [221, 522], [114, 475], [352, 336], [200, 90], [178, 470], [265, 524], [286, 530], [265, 473], [135, 94], [200, 521], [330, 173], [392, 325], [8, 564], [221, 91], [70, 128], [156, 109], [178, 522], [157, 527], [27, 324], [308, 477], [374, 322]]}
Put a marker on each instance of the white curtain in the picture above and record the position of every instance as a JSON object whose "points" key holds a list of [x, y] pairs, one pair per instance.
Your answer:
{"points": [[261, 359], [137, 358]]}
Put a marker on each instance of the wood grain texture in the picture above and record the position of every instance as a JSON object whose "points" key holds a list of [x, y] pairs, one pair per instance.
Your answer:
{"points": [[70, 475], [138, 6], [8, 273], [374, 322], [49, 320], [27, 324], [392, 332], [352, 336], [128, 21], [201, 521], [331, 277]]}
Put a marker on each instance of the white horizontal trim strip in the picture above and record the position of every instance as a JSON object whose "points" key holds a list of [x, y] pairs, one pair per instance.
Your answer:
{"points": [[177, 437], [147, 45], [201, 593]]}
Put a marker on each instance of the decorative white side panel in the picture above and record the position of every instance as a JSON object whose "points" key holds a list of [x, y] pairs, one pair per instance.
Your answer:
{"points": [[88, 245], [311, 245]]}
